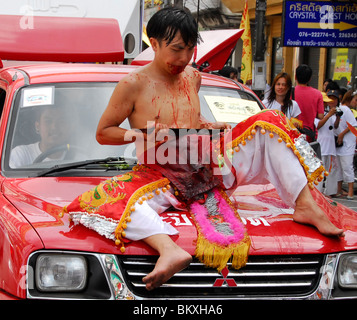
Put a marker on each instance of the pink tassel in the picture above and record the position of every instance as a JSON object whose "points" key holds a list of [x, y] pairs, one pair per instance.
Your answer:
{"points": [[207, 228]]}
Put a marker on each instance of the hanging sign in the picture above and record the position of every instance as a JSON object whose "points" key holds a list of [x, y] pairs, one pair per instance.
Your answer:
{"points": [[320, 24]]}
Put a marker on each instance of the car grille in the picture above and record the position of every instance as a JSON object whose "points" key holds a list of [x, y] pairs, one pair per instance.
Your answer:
{"points": [[263, 276]]}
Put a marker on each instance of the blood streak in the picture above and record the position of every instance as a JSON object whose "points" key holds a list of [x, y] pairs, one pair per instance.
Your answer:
{"points": [[175, 114], [175, 69]]}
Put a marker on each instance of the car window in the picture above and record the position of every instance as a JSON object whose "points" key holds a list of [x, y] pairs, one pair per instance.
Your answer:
{"points": [[227, 105], [56, 123]]}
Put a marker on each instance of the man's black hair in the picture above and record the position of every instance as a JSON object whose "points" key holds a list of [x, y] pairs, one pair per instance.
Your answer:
{"points": [[165, 23], [227, 70], [303, 74], [332, 85]]}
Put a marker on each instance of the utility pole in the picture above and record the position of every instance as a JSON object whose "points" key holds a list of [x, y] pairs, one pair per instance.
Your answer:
{"points": [[259, 66], [261, 6]]}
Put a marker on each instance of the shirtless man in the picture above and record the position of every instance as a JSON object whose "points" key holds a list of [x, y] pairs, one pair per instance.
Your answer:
{"points": [[166, 92]]}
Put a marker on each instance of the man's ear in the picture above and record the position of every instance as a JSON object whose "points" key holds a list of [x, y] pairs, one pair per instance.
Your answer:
{"points": [[154, 43]]}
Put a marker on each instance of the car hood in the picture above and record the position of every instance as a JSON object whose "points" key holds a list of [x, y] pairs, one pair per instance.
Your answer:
{"points": [[267, 219]]}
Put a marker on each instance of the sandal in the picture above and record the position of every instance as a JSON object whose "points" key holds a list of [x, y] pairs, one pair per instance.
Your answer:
{"points": [[341, 194], [337, 195]]}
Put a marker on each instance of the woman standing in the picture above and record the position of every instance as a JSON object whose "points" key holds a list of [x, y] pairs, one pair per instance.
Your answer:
{"points": [[350, 100], [279, 97]]}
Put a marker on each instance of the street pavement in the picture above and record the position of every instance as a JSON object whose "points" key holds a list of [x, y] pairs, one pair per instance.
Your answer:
{"points": [[348, 203]]}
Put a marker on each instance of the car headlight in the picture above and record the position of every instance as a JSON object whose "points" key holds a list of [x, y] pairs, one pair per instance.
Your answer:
{"points": [[347, 271], [61, 272]]}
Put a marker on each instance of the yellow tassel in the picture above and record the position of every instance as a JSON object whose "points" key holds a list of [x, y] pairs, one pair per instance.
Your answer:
{"points": [[63, 211], [216, 256]]}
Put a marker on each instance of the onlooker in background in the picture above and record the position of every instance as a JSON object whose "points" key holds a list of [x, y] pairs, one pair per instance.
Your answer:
{"points": [[326, 138], [342, 92], [309, 100], [332, 85], [229, 72], [324, 85], [279, 97], [350, 100], [346, 144]]}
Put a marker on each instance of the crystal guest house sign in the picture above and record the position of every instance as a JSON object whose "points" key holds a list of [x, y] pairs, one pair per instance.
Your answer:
{"points": [[320, 24]]}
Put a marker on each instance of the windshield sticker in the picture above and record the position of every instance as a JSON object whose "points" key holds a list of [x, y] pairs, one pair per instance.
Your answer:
{"points": [[228, 109], [38, 97]]}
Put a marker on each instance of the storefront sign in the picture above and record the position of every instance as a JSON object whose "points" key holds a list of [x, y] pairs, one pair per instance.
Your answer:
{"points": [[320, 24]]}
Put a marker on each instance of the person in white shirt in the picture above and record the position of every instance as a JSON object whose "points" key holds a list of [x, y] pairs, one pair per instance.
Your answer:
{"points": [[279, 97], [53, 129], [326, 138], [347, 140]]}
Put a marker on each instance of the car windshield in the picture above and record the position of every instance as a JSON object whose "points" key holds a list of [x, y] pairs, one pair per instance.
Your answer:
{"points": [[55, 124]]}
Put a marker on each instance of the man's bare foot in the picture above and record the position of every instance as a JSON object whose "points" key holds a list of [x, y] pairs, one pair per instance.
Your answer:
{"points": [[308, 212], [172, 259]]}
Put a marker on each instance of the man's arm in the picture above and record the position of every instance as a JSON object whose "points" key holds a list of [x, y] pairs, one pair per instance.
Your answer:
{"points": [[120, 107], [205, 124], [326, 117], [320, 108]]}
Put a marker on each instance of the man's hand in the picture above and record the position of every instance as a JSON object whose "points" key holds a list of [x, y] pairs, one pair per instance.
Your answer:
{"points": [[217, 125]]}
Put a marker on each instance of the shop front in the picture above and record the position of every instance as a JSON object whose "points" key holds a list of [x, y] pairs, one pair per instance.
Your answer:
{"points": [[322, 36]]}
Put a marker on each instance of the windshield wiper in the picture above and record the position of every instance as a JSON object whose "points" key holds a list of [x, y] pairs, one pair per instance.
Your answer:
{"points": [[110, 161]]}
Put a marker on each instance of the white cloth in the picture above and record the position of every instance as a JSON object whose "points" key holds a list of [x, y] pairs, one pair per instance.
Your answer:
{"points": [[326, 137], [345, 171], [349, 140], [346, 153], [145, 220], [24, 155], [329, 186], [261, 160], [292, 112]]}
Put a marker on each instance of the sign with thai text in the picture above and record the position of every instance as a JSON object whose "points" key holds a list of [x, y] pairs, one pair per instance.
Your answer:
{"points": [[320, 24]]}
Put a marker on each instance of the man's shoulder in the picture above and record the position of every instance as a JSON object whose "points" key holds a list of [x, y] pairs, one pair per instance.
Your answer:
{"points": [[307, 90], [133, 81]]}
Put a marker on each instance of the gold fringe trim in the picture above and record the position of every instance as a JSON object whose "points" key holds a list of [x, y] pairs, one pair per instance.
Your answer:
{"points": [[140, 195], [313, 178], [63, 211], [216, 256]]}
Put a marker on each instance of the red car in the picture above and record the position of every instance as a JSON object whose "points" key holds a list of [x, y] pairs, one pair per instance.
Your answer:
{"points": [[44, 256]]}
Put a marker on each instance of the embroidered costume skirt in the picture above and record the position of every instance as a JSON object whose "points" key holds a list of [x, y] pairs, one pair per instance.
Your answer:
{"points": [[266, 148]]}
